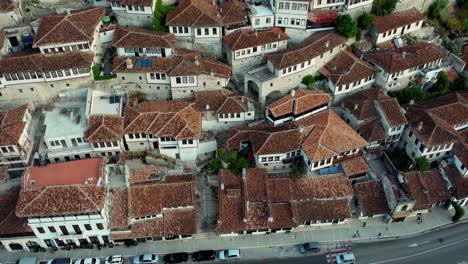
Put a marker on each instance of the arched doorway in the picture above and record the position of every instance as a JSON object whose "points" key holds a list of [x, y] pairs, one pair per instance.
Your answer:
{"points": [[252, 89], [272, 97]]}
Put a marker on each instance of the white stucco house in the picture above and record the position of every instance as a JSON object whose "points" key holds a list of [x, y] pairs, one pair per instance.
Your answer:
{"points": [[396, 24], [133, 13]]}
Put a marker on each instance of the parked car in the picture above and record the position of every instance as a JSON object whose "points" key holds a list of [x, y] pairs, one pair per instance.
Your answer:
{"points": [[88, 261], [115, 259], [309, 247], [60, 261], [146, 258], [176, 257], [30, 260], [229, 254], [204, 255], [347, 258]]}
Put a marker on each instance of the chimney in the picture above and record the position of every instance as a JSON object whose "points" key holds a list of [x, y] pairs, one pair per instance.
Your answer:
{"points": [[197, 60], [68, 11], [403, 54], [278, 36], [222, 186], [293, 92], [256, 33], [356, 106], [411, 102], [327, 44], [244, 172], [333, 68], [129, 63], [420, 125], [207, 107], [213, 2], [300, 129], [270, 219], [242, 99]]}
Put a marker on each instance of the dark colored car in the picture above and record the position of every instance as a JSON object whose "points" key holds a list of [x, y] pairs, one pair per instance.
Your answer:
{"points": [[309, 247], [205, 255], [176, 257]]}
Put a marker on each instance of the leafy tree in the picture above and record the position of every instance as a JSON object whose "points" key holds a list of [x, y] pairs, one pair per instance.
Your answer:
{"points": [[365, 21], [215, 166], [345, 26], [413, 92], [461, 83], [236, 162], [383, 7], [442, 85], [436, 8], [455, 46], [299, 169], [160, 12], [422, 164], [459, 212], [309, 81]]}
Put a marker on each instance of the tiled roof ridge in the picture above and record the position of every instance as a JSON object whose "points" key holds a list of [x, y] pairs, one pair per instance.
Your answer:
{"points": [[437, 124], [89, 198], [303, 47], [141, 33], [188, 6], [232, 98], [103, 124], [186, 121], [35, 198]]}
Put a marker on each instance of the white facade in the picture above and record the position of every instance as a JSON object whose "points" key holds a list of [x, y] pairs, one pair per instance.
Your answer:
{"points": [[462, 169], [291, 118], [150, 52], [327, 4], [351, 4], [291, 14], [261, 17], [351, 87], [415, 148], [380, 37], [133, 15]]}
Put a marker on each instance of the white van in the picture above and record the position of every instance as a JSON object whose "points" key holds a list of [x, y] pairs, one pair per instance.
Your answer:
{"points": [[347, 258]]}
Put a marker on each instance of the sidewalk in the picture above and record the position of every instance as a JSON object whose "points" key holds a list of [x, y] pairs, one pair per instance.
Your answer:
{"points": [[332, 234]]}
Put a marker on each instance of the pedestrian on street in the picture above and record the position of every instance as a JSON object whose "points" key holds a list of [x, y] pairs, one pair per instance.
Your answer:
{"points": [[379, 234]]}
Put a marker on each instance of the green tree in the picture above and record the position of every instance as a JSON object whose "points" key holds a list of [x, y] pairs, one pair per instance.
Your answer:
{"points": [[365, 21], [215, 166], [299, 169], [422, 164], [459, 212], [442, 85], [455, 46], [309, 81], [436, 8], [461, 83], [413, 92], [160, 12], [383, 7], [345, 26]]}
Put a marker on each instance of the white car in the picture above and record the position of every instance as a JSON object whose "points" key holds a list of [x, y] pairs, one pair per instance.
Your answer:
{"points": [[88, 261], [145, 259], [115, 259], [229, 254]]}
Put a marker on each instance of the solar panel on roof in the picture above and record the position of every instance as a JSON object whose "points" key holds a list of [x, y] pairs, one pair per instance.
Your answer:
{"points": [[144, 63]]}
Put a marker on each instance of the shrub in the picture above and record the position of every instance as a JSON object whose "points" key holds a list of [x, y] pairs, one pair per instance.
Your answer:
{"points": [[413, 92], [422, 164], [459, 212], [160, 12], [455, 46], [454, 24], [383, 7], [97, 74], [442, 85], [365, 21], [236, 162], [436, 8], [345, 26], [400, 160], [461, 83], [299, 169], [309, 81], [215, 166]]}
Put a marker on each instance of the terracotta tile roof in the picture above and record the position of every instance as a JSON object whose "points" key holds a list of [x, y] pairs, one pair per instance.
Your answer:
{"points": [[229, 179], [310, 48], [9, 223], [246, 38], [222, 101], [371, 198], [234, 12], [195, 13], [177, 65], [302, 101], [132, 37], [136, 2], [322, 16], [119, 209], [346, 68], [321, 210], [325, 135], [142, 175], [151, 199], [461, 151], [104, 128], [65, 28], [37, 62], [361, 104], [61, 200], [426, 188], [405, 58], [392, 111], [255, 188], [324, 187], [372, 131], [279, 190], [175, 118], [433, 121], [12, 125], [7, 6], [459, 182], [397, 19], [2, 38], [354, 166]]}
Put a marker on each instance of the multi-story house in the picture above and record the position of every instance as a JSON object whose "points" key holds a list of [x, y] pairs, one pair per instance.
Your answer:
{"points": [[171, 214], [261, 17], [64, 62], [300, 103], [371, 199], [139, 13], [178, 76], [82, 124], [433, 126], [255, 203], [66, 204], [456, 174], [396, 24], [352, 4], [245, 48], [234, 14], [15, 233], [171, 128], [11, 13], [328, 4], [285, 69], [320, 140], [17, 138], [223, 109], [378, 118], [131, 41], [398, 67], [346, 73], [400, 203], [291, 13], [198, 25]]}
